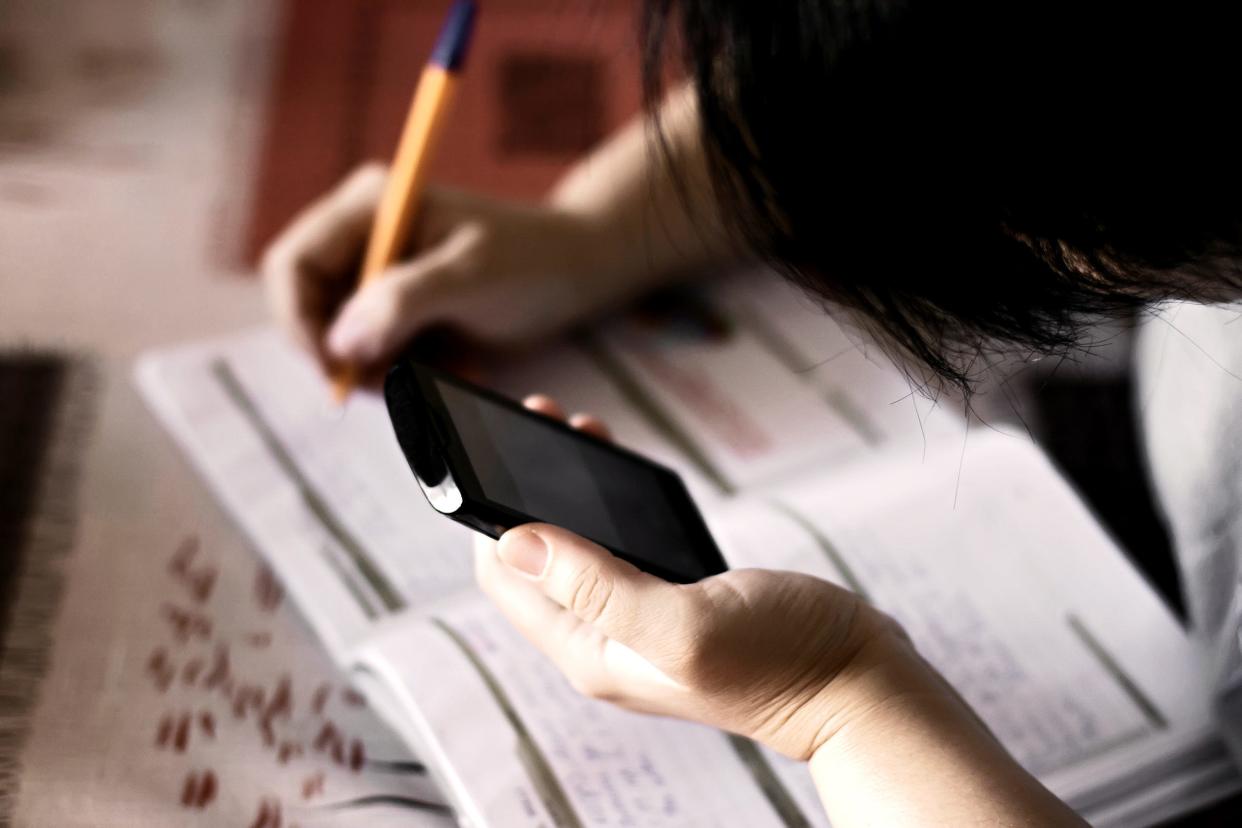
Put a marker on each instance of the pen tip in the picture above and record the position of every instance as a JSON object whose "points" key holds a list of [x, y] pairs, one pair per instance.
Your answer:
{"points": [[334, 408]]}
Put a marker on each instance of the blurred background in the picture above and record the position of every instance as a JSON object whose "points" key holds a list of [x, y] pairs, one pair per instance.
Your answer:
{"points": [[148, 150]]}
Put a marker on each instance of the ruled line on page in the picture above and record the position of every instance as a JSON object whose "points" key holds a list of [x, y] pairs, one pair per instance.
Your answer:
{"points": [[375, 582]]}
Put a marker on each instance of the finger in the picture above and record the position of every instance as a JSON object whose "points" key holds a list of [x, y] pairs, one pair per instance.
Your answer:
{"points": [[441, 210], [311, 266], [595, 665], [386, 313], [625, 604], [545, 405], [329, 233], [574, 646], [591, 425]]}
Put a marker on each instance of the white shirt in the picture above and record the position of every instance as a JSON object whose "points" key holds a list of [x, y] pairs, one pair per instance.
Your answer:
{"points": [[1189, 366]]}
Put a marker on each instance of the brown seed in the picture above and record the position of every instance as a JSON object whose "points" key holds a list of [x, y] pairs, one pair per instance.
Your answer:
{"points": [[268, 592], [206, 790], [328, 736], [259, 640], [179, 564], [220, 674], [161, 669], [320, 698], [191, 671], [268, 734], [288, 750], [165, 732], [208, 723], [182, 737], [202, 583], [281, 704], [312, 786]]}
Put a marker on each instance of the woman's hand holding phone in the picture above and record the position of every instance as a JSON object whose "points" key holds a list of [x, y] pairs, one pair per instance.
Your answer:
{"points": [[776, 656], [793, 662]]}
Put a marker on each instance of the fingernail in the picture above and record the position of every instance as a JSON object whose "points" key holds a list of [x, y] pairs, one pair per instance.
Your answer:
{"points": [[346, 336], [525, 551]]}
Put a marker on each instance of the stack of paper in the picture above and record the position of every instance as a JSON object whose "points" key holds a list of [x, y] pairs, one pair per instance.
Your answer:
{"points": [[806, 453]]}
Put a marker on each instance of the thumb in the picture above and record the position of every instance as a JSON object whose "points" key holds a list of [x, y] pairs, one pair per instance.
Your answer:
{"points": [[625, 604], [386, 313]]}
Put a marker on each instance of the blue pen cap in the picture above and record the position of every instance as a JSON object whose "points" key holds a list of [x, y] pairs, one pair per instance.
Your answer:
{"points": [[450, 51]]}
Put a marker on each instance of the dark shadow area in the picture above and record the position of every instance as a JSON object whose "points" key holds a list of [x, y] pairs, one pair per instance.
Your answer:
{"points": [[30, 391], [1089, 427]]}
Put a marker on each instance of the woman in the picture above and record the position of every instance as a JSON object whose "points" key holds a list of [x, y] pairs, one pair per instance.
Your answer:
{"points": [[958, 177]]}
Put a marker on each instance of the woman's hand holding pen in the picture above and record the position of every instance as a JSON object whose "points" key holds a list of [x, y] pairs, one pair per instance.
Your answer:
{"points": [[616, 225], [499, 272]]}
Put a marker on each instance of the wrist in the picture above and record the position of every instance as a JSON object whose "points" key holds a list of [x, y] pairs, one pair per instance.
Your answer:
{"points": [[906, 749], [886, 682], [607, 260], [879, 671]]}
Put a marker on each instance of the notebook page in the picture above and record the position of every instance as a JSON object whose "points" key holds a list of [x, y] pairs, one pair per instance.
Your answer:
{"points": [[329, 500], [1003, 580], [842, 368], [1008, 586], [525, 749], [325, 496], [249, 410]]}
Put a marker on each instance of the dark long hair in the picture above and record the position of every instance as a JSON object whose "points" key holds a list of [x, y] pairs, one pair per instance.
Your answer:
{"points": [[968, 174]]}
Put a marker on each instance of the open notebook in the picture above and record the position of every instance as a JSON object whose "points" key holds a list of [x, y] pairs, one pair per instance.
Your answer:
{"points": [[804, 454]]}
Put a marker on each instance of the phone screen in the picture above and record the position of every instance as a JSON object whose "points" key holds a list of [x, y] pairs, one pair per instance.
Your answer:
{"points": [[535, 468]]}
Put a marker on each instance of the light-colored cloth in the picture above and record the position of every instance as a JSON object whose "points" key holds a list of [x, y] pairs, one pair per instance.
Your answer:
{"points": [[1189, 365], [184, 690], [177, 691]]}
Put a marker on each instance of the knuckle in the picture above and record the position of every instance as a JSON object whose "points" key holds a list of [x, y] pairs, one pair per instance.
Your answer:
{"points": [[585, 685], [471, 249], [274, 264], [698, 662], [368, 174], [698, 641], [384, 329], [481, 234], [389, 301], [593, 685], [360, 189], [697, 607], [438, 201], [403, 295], [590, 592]]}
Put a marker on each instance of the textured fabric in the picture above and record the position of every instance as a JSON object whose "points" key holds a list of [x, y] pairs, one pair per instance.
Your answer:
{"points": [[153, 672], [176, 690], [44, 420]]}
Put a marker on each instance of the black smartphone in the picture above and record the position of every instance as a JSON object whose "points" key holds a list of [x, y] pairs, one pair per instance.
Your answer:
{"points": [[490, 464]]}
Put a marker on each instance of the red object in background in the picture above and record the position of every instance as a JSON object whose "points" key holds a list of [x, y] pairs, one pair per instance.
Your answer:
{"points": [[543, 82]]}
